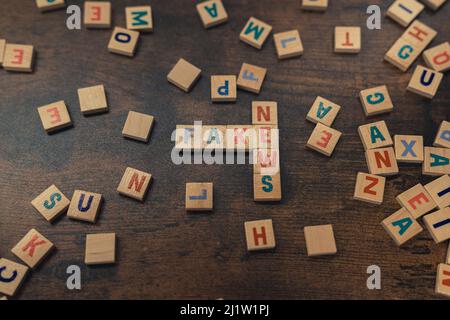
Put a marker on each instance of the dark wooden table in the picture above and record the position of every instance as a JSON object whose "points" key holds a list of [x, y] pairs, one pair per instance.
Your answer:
{"points": [[162, 251]]}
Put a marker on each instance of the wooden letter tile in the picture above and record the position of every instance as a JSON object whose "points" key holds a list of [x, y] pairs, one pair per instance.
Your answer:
{"points": [[259, 235], [408, 148], [382, 161], [347, 39], [251, 78], [214, 137], [240, 137], [255, 32], [18, 57], [139, 18], [443, 277], [436, 161], [323, 111], [2, 50], [92, 99], [439, 190], [375, 135], [438, 224], [84, 206], [48, 5], [199, 196], [369, 188], [443, 135], [138, 126], [212, 13], [97, 14], [438, 57], [401, 226], [100, 248], [315, 5], [320, 240], [323, 139], [404, 11], [33, 248], [266, 187], [134, 183], [123, 41], [223, 88], [51, 203], [288, 44], [376, 101], [267, 136], [54, 116], [184, 75], [425, 82], [416, 200], [264, 112], [266, 161], [11, 276]]}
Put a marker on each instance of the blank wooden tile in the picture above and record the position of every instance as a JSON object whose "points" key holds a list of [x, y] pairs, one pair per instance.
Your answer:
{"points": [[266, 161], [184, 75], [438, 57], [267, 136], [100, 248], [223, 88], [382, 161], [369, 188], [264, 112], [404, 11], [51, 203], [212, 13], [438, 224], [401, 226], [375, 135], [123, 41], [18, 57], [134, 183], [267, 187], [139, 18], [255, 32], [48, 5], [97, 14], [2, 50], [376, 101], [439, 190], [54, 116], [138, 126], [259, 235], [84, 206], [323, 139], [443, 135], [251, 78], [33, 248], [93, 99], [434, 4], [436, 161], [240, 137], [12, 276], [416, 200], [425, 82], [320, 240], [323, 111], [315, 5], [347, 39], [408, 148], [288, 44], [199, 196]]}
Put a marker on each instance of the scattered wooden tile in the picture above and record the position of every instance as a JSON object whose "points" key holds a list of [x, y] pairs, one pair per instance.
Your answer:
{"points": [[266, 161], [184, 75], [425, 82], [33, 248], [138, 126], [382, 161], [51, 203], [288, 44], [100, 248], [347, 39], [186, 138], [12, 276], [369, 188], [97, 14], [436, 161], [401, 226], [48, 5], [404, 11], [214, 137], [92, 99], [443, 135], [264, 112], [18, 57], [438, 224], [267, 187], [84, 206], [434, 4], [54, 116], [320, 240], [134, 184], [199, 196], [323, 111], [447, 259], [240, 137], [376, 101], [315, 5], [139, 18], [323, 139], [212, 13], [417, 201], [255, 32], [259, 235], [251, 78], [438, 57], [267, 136], [2, 50], [123, 41], [408, 148], [223, 88], [375, 135], [439, 190]]}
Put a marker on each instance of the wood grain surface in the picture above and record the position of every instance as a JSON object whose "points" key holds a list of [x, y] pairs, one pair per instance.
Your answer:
{"points": [[163, 252]]}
